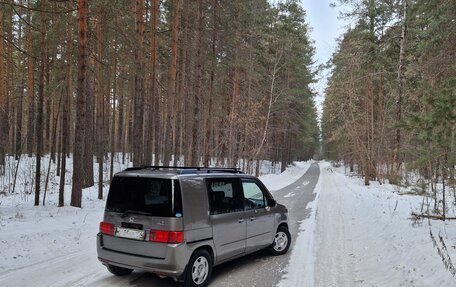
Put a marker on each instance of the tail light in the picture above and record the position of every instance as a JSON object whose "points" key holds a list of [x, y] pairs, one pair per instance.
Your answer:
{"points": [[106, 228], [165, 236]]}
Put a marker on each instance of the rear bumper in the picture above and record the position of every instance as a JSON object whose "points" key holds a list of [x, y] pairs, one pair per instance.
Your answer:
{"points": [[173, 265]]}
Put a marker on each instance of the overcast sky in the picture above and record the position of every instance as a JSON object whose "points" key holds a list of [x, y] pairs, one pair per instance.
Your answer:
{"points": [[326, 28]]}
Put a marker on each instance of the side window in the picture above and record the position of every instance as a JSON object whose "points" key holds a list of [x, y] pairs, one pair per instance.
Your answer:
{"points": [[253, 195], [223, 195]]}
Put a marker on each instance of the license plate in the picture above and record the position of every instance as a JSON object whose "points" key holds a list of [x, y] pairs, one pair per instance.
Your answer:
{"points": [[130, 233]]}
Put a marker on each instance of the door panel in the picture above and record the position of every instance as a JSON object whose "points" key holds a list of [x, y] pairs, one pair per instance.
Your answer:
{"points": [[260, 220], [229, 231], [227, 216], [260, 225]]}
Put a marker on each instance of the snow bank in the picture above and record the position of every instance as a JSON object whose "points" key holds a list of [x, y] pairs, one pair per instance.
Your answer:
{"points": [[32, 234], [290, 175]]}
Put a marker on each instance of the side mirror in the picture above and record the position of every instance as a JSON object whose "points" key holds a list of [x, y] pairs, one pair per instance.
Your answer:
{"points": [[272, 203]]}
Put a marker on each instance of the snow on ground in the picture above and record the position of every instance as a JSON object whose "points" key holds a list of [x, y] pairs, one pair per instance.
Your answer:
{"points": [[363, 236], [355, 235], [29, 234], [290, 175]]}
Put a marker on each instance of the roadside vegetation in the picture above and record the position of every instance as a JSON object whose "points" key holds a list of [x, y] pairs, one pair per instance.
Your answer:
{"points": [[390, 107]]}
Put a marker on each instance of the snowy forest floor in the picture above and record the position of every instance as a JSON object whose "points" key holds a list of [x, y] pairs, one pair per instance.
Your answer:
{"points": [[355, 235]]}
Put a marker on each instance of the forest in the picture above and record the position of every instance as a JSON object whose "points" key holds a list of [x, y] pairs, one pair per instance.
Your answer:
{"points": [[390, 107], [170, 82]]}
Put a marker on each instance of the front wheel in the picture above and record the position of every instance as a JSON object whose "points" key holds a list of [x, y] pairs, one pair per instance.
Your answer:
{"points": [[282, 241], [199, 269], [119, 271]]}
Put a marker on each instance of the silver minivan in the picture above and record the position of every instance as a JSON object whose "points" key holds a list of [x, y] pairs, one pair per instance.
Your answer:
{"points": [[180, 222]]}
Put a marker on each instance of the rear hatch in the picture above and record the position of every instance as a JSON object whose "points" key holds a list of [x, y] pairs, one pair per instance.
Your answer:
{"points": [[142, 216]]}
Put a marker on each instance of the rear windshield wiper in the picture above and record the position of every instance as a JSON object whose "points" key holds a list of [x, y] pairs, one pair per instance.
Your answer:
{"points": [[129, 211]]}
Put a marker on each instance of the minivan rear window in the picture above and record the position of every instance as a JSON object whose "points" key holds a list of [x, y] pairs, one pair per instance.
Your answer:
{"points": [[149, 196]]}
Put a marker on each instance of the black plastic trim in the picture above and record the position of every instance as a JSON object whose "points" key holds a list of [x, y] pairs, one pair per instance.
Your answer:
{"points": [[199, 240]]}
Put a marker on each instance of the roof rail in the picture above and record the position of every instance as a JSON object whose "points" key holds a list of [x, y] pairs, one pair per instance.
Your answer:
{"points": [[189, 169]]}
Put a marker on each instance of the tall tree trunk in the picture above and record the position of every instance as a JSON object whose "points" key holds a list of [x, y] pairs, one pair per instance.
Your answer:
{"points": [[186, 85], [401, 84], [18, 136], [248, 144], [59, 139], [113, 117], [380, 125], [181, 82], [209, 118], [120, 136], [100, 105], [39, 121], [369, 160], [3, 101], [233, 115], [12, 80], [20, 95], [78, 173], [47, 106], [66, 115], [30, 86], [170, 137], [173, 75], [152, 117], [138, 136], [89, 136], [198, 88]]}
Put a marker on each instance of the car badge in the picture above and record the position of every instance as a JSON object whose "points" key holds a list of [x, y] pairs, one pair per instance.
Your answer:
{"points": [[131, 219]]}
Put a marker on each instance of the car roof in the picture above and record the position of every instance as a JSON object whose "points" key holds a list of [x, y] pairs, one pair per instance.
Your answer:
{"points": [[173, 172]]}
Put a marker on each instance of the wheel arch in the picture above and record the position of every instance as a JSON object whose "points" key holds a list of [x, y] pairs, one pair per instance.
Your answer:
{"points": [[205, 247], [209, 249], [284, 224]]}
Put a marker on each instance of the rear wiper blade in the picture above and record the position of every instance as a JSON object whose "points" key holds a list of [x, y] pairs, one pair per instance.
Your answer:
{"points": [[129, 211]]}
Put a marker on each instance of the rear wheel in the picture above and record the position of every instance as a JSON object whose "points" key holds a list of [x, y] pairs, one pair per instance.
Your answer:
{"points": [[199, 269], [282, 241], [119, 271]]}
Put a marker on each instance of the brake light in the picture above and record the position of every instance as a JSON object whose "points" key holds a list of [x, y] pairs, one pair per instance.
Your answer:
{"points": [[165, 236], [106, 228], [176, 237]]}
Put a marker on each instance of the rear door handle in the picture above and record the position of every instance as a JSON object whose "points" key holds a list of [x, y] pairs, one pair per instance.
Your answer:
{"points": [[252, 218], [240, 220]]}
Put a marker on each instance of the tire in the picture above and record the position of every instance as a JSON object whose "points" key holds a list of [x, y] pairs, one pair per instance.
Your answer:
{"points": [[119, 271], [199, 269], [282, 241]]}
